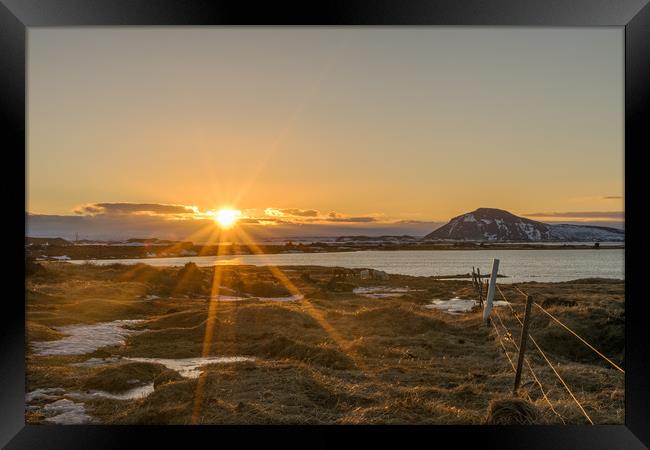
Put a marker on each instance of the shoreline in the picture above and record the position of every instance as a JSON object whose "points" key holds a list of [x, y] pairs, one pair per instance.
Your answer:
{"points": [[103, 252]]}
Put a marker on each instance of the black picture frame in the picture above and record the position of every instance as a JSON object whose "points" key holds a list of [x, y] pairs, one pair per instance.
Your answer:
{"points": [[16, 16]]}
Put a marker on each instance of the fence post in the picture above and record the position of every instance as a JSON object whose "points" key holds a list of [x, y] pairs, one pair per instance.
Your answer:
{"points": [[480, 286], [491, 289], [522, 342]]}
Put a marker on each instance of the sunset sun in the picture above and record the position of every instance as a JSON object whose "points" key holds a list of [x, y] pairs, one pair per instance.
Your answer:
{"points": [[226, 218]]}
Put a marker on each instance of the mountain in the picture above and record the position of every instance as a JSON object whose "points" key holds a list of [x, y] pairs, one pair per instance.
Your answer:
{"points": [[489, 224]]}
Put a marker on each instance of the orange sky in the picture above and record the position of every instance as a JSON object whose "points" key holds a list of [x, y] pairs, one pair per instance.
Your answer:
{"points": [[380, 124]]}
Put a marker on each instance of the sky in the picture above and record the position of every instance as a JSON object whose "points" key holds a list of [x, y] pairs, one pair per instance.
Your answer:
{"points": [[321, 130]]}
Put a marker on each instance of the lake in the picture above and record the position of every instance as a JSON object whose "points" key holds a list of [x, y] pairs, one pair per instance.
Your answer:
{"points": [[517, 265]]}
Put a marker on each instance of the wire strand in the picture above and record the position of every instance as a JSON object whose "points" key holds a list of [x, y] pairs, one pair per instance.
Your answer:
{"points": [[532, 371], [595, 350], [539, 349]]}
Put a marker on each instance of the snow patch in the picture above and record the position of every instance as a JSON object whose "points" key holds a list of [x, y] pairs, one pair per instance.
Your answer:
{"points": [[190, 367], [94, 362], [82, 339], [131, 394], [458, 305], [453, 306], [67, 412], [43, 393]]}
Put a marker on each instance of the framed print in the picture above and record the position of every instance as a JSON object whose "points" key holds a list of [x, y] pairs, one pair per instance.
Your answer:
{"points": [[353, 218]]}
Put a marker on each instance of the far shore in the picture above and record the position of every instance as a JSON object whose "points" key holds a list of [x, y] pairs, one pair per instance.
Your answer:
{"points": [[186, 249]]}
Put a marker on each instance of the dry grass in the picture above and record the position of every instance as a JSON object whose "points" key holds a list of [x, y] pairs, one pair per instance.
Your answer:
{"points": [[511, 411], [335, 357]]}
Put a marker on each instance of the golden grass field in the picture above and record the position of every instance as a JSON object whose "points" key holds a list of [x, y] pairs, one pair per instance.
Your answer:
{"points": [[332, 357]]}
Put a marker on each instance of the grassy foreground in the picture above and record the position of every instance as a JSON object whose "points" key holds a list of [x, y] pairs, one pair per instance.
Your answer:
{"points": [[332, 357]]}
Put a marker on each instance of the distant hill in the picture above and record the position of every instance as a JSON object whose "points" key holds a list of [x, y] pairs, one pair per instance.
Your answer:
{"points": [[490, 224], [46, 241], [377, 239]]}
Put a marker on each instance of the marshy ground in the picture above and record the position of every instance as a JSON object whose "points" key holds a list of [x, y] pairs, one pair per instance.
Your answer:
{"points": [[334, 354]]}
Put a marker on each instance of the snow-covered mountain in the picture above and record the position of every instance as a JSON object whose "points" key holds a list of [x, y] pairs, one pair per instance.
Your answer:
{"points": [[489, 224]]}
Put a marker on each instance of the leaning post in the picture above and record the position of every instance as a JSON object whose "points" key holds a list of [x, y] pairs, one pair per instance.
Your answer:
{"points": [[522, 342], [491, 289]]}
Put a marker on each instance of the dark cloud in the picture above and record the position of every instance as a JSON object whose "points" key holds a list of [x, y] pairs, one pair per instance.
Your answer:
{"points": [[580, 214], [132, 208], [613, 197]]}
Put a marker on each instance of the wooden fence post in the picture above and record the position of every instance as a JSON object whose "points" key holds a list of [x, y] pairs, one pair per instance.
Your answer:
{"points": [[480, 286], [491, 289], [522, 342]]}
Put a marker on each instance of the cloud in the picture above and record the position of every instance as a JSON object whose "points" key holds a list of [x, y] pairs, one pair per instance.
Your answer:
{"points": [[412, 221], [200, 229], [297, 215], [296, 212], [133, 208], [360, 219], [613, 197], [616, 215]]}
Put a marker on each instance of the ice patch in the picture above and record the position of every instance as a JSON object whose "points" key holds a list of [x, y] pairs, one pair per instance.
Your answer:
{"points": [[67, 412], [94, 362], [131, 394], [232, 298], [82, 339], [190, 367], [458, 305], [453, 306], [43, 393], [61, 258]]}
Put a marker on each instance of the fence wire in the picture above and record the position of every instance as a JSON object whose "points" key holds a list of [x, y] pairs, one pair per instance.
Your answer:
{"points": [[539, 349], [599, 353]]}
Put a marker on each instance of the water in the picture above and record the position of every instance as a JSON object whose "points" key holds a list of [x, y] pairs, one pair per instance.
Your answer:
{"points": [[519, 265]]}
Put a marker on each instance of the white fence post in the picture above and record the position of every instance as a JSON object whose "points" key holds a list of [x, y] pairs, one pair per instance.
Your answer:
{"points": [[491, 289]]}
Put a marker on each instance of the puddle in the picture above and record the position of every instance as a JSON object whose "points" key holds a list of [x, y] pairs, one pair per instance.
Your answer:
{"points": [[131, 394], [190, 367], [66, 412], [82, 339]]}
